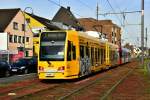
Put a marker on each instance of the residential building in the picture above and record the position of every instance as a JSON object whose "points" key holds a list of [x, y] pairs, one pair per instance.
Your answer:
{"points": [[107, 28], [38, 24], [66, 17], [20, 37]]}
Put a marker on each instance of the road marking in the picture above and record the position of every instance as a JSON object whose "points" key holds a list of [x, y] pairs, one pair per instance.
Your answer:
{"points": [[11, 94], [25, 74]]}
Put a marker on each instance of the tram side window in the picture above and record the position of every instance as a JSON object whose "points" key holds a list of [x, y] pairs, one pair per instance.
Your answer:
{"points": [[92, 56], [98, 56], [87, 51], [69, 51], [112, 55], [116, 55], [82, 51], [102, 56], [74, 52]]}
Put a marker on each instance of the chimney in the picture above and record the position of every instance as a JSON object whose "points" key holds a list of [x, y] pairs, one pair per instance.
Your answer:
{"points": [[68, 8]]}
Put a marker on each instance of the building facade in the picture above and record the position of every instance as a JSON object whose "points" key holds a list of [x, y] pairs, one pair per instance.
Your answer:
{"points": [[38, 24], [106, 27], [20, 37], [66, 17]]}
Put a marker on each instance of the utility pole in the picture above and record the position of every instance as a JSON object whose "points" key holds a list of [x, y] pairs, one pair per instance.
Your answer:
{"points": [[142, 31], [97, 11]]}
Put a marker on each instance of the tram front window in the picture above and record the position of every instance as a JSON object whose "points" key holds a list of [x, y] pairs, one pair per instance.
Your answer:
{"points": [[52, 46]]}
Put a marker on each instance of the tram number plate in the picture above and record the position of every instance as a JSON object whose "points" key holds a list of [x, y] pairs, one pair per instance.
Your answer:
{"points": [[14, 70], [49, 74]]}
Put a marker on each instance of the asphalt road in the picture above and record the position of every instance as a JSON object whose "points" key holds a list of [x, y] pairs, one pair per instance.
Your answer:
{"points": [[16, 78]]}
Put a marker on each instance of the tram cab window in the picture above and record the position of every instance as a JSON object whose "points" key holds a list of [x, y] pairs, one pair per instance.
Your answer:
{"points": [[69, 51]]}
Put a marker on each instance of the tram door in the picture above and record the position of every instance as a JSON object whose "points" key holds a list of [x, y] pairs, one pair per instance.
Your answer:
{"points": [[72, 58]]}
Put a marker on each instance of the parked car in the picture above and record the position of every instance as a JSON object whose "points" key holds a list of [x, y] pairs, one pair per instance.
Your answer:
{"points": [[5, 69], [24, 66]]}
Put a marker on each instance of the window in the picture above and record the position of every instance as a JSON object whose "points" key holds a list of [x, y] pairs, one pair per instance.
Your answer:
{"points": [[27, 39], [82, 51], [104, 54], [15, 25], [28, 20], [19, 39], [74, 52], [87, 52], [92, 56], [23, 39], [102, 57], [23, 27], [52, 46], [27, 54], [10, 38], [15, 38], [69, 51], [96, 55], [115, 34]]}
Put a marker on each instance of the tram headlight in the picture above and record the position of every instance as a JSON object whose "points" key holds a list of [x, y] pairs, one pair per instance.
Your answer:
{"points": [[61, 69], [41, 68]]}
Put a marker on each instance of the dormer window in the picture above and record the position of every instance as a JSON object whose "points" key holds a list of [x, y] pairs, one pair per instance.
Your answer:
{"points": [[28, 20], [15, 25]]}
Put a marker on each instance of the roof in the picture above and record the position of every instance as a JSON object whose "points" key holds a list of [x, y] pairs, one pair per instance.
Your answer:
{"points": [[44, 21], [6, 15], [65, 16], [91, 24]]}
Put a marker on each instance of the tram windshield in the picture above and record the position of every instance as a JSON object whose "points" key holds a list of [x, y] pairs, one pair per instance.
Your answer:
{"points": [[52, 46]]}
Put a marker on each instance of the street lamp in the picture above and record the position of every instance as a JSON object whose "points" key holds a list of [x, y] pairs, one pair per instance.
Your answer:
{"points": [[25, 27]]}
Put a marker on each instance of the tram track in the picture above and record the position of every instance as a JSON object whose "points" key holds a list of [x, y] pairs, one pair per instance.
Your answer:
{"points": [[73, 94], [73, 90], [27, 91], [115, 85], [25, 88]]}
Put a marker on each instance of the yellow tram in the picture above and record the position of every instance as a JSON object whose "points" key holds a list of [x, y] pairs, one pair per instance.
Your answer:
{"points": [[71, 54]]}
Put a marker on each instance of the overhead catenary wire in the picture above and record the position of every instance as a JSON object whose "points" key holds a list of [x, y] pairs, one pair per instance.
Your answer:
{"points": [[85, 5], [114, 11], [55, 3]]}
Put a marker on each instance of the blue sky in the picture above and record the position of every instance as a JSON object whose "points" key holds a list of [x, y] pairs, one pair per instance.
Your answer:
{"points": [[87, 8]]}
